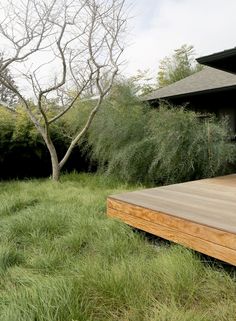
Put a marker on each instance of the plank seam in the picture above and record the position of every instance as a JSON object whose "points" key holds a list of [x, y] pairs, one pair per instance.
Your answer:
{"points": [[172, 228], [189, 241]]}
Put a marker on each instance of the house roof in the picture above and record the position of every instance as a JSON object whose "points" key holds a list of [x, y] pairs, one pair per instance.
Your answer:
{"points": [[224, 60], [207, 80]]}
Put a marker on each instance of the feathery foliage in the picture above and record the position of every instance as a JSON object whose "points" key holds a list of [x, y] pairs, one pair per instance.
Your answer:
{"points": [[179, 65], [158, 146]]}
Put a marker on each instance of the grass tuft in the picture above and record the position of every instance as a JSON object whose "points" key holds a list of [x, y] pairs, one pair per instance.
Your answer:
{"points": [[62, 259], [9, 257]]}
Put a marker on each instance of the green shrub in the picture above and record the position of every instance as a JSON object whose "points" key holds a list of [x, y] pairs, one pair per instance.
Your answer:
{"points": [[127, 139], [22, 150], [121, 121], [187, 147], [158, 146]]}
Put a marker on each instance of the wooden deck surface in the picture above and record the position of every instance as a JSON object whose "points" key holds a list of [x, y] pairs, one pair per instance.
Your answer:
{"points": [[199, 214]]}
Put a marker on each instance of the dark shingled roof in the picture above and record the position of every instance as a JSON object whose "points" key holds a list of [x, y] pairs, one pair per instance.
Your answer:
{"points": [[207, 80], [223, 60]]}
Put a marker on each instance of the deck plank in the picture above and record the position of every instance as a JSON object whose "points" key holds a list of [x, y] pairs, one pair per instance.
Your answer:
{"points": [[206, 247], [217, 236], [199, 214], [217, 212]]}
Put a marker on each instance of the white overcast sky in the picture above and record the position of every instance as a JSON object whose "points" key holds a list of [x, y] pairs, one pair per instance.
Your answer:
{"points": [[160, 26], [157, 27]]}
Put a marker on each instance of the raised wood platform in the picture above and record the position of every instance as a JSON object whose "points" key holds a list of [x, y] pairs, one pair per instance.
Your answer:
{"points": [[200, 214]]}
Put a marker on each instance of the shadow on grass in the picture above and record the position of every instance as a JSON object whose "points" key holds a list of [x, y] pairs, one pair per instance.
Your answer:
{"points": [[212, 262]]}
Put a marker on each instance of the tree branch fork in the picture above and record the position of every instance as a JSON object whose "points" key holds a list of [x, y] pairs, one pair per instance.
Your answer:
{"points": [[83, 40]]}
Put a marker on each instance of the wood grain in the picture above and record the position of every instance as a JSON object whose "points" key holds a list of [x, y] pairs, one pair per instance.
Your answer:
{"points": [[199, 214], [214, 205], [206, 247], [198, 230]]}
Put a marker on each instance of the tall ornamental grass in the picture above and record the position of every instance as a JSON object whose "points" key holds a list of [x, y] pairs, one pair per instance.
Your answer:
{"points": [[165, 145]]}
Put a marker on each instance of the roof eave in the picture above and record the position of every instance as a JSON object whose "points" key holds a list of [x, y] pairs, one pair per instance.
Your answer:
{"points": [[190, 94], [217, 56]]}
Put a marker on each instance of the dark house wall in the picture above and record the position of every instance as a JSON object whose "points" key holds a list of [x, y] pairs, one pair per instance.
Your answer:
{"points": [[220, 103]]}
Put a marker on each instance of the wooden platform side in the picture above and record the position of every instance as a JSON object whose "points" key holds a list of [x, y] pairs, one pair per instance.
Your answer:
{"points": [[217, 236], [207, 240]]}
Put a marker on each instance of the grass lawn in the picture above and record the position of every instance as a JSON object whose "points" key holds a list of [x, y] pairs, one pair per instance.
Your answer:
{"points": [[62, 259]]}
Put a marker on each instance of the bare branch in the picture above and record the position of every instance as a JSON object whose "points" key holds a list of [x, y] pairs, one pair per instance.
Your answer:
{"points": [[57, 47]]}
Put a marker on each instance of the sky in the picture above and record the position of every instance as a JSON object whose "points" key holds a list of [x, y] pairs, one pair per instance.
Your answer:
{"points": [[157, 27]]}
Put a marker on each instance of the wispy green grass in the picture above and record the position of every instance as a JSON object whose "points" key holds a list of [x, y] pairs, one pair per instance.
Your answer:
{"points": [[62, 259]]}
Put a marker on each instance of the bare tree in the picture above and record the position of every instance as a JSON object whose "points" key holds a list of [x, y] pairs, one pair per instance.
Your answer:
{"points": [[7, 97], [53, 46]]}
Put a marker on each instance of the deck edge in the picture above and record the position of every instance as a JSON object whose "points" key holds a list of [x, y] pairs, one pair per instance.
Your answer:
{"points": [[217, 249]]}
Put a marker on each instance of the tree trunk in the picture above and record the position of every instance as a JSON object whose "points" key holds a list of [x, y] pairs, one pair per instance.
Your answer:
{"points": [[56, 170]]}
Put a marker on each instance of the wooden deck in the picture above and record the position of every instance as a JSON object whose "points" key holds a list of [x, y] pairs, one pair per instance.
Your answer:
{"points": [[200, 214]]}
